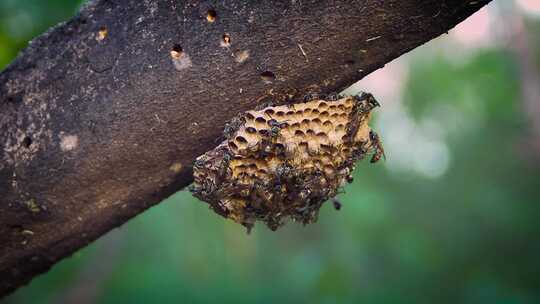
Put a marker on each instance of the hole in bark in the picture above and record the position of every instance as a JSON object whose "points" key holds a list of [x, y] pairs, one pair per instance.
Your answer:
{"points": [[27, 141], [211, 15], [14, 98], [16, 227], [350, 62], [226, 40], [177, 51], [268, 76], [102, 33]]}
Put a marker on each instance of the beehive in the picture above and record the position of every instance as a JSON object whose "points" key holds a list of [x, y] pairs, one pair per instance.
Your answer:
{"points": [[286, 161]]}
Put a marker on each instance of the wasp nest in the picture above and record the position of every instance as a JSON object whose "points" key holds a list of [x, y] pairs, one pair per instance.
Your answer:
{"points": [[286, 161]]}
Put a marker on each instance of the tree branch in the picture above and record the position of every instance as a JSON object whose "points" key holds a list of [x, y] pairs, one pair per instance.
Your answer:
{"points": [[101, 117]]}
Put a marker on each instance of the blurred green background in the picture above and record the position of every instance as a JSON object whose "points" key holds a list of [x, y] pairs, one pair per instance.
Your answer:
{"points": [[451, 216]]}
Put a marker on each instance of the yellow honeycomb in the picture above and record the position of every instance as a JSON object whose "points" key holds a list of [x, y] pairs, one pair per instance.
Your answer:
{"points": [[286, 161]]}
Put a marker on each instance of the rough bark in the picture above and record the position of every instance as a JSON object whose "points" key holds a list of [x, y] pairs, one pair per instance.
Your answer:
{"points": [[96, 127]]}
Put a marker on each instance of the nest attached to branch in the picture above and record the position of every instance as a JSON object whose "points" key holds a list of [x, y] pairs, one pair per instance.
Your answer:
{"points": [[286, 161]]}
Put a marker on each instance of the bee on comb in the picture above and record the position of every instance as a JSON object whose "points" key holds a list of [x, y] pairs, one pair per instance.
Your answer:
{"points": [[286, 161]]}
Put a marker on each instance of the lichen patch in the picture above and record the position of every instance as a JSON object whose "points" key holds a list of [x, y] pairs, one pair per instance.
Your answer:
{"points": [[241, 56], [68, 142], [32, 206], [286, 161], [180, 60], [176, 167]]}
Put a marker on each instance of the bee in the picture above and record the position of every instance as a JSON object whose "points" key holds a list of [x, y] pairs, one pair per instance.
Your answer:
{"points": [[195, 189], [232, 126], [370, 101], [290, 106], [206, 188], [278, 187], [275, 128], [264, 148], [224, 168], [265, 101], [304, 195], [227, 156], [280, 150], [336, 203], [313, 96], [199, 163], [379, 151], [333, 97], [283, 171]]}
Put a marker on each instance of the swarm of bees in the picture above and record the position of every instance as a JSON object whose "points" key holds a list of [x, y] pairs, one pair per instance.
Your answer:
{"points": [[286, 161]]}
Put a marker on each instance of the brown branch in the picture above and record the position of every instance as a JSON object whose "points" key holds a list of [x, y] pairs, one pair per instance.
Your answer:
{"points": [[101, 117]]}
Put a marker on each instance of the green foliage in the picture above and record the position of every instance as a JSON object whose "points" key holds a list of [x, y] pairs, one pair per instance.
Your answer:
{"points": [[489, 75], [21, 20]]}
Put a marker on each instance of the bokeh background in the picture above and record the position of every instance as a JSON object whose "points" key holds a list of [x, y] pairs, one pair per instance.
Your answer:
{"points": [[452, 216]]}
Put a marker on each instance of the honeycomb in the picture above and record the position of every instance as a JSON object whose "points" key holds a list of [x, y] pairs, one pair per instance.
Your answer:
{"points": [[287, 160]]}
